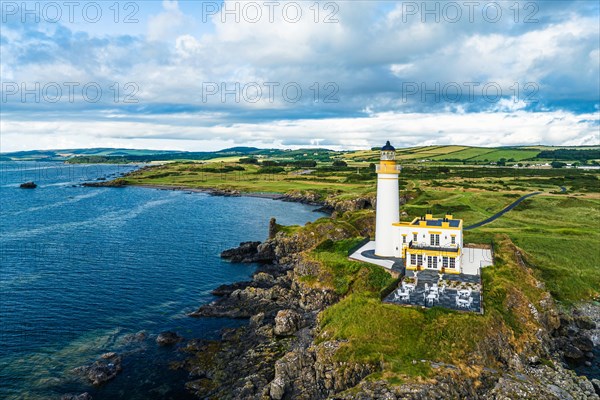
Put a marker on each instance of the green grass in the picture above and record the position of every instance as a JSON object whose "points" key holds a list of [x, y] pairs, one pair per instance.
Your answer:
{"points": [[249, 181], [451, 152], [398, 338], [560, 237], [343, 275], [515, 154], [464, 154]]}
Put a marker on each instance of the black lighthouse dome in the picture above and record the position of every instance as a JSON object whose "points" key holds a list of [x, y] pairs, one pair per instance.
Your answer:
{"points": [[388, 147]]}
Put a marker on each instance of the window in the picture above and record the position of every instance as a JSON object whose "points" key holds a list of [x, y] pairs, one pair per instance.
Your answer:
{"points": [[419, 259], [453, 239], [415, 239], [413, 259], [445, 262], [452, 262], [434, 239], [432, 262], [403, 238]]}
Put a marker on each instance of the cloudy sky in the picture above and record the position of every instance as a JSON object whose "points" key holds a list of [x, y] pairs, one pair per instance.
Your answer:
{"points": [[194, 75]]}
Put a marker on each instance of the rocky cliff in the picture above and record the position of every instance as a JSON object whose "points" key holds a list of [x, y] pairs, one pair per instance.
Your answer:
{"points": [[283, 353]]}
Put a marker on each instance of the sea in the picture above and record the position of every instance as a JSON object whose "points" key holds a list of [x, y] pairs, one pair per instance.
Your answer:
{"points": [[84, 269]]}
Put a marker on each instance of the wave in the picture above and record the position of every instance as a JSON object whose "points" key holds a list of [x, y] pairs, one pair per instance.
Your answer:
{"points": [[72, 200], [113, 219]]}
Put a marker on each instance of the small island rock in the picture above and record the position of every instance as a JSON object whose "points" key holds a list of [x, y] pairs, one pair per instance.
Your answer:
{"points": [[28, 185]]}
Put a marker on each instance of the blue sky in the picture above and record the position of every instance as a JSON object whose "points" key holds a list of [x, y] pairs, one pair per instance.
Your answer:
{"points": [[193, 75]]}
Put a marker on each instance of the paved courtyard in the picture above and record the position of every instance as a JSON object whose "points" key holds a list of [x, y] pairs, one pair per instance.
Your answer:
{"points": [[454, 291], [366, 253], [448, 285], [474, 258]]}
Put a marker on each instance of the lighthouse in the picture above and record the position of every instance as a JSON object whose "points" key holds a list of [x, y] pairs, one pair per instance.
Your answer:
{"points": [[388, 201]]}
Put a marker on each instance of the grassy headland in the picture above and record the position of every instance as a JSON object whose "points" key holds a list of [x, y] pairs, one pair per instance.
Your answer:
{"points": [[547, 243]]}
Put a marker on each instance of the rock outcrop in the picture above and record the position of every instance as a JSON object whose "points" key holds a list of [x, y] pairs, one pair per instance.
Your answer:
{"points": [[287, 322], [82, 396], [102, 370], [573, 338], [250, 252], [28, 185], [277, 355], [168, 338], [118, 183]]}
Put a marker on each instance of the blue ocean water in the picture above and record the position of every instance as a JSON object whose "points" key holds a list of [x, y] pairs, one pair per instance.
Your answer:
{"points": [[81, 269]]}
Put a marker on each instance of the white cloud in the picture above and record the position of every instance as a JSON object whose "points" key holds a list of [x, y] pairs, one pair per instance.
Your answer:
{"points": [[190, 132], [168, 23], [368, 54]]}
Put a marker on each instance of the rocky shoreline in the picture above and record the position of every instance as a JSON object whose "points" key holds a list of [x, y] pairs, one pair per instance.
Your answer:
{"points": [[307, 199], [277, 356], [327, 204]]}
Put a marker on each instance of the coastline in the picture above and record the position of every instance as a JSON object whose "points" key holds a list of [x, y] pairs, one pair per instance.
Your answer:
{"points": [[212, 191], [307, 198], [280, 339]]}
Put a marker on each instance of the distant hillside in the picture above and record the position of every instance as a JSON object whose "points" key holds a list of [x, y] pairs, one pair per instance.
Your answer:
{"points": [[483, 155], [65, 154], [450, 154]]}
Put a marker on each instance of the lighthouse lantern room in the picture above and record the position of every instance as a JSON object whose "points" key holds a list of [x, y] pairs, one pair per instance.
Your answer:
{"points": [[388, 201]]}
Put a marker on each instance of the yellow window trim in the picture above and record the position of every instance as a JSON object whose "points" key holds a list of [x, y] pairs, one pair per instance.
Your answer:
{"points": [[438, 253]]}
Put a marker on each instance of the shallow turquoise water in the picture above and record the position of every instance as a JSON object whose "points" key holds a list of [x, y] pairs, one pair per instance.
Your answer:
{"points": [[81, 268]]}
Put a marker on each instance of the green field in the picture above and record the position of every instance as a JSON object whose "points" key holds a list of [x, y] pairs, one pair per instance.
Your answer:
{"points": [[508, 154], [248, 180], [487, 154]]}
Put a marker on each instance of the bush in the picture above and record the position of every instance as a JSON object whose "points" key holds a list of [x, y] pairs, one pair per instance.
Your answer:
{"points": [[224, 169], [270, 170], [248, 160], [360, 177]]}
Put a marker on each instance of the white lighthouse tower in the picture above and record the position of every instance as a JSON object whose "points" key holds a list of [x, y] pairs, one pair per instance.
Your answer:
{"points": [[388, 201]]}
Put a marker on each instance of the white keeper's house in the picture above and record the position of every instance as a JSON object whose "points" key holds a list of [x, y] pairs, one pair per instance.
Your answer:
{"points": [[428, 242]]}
